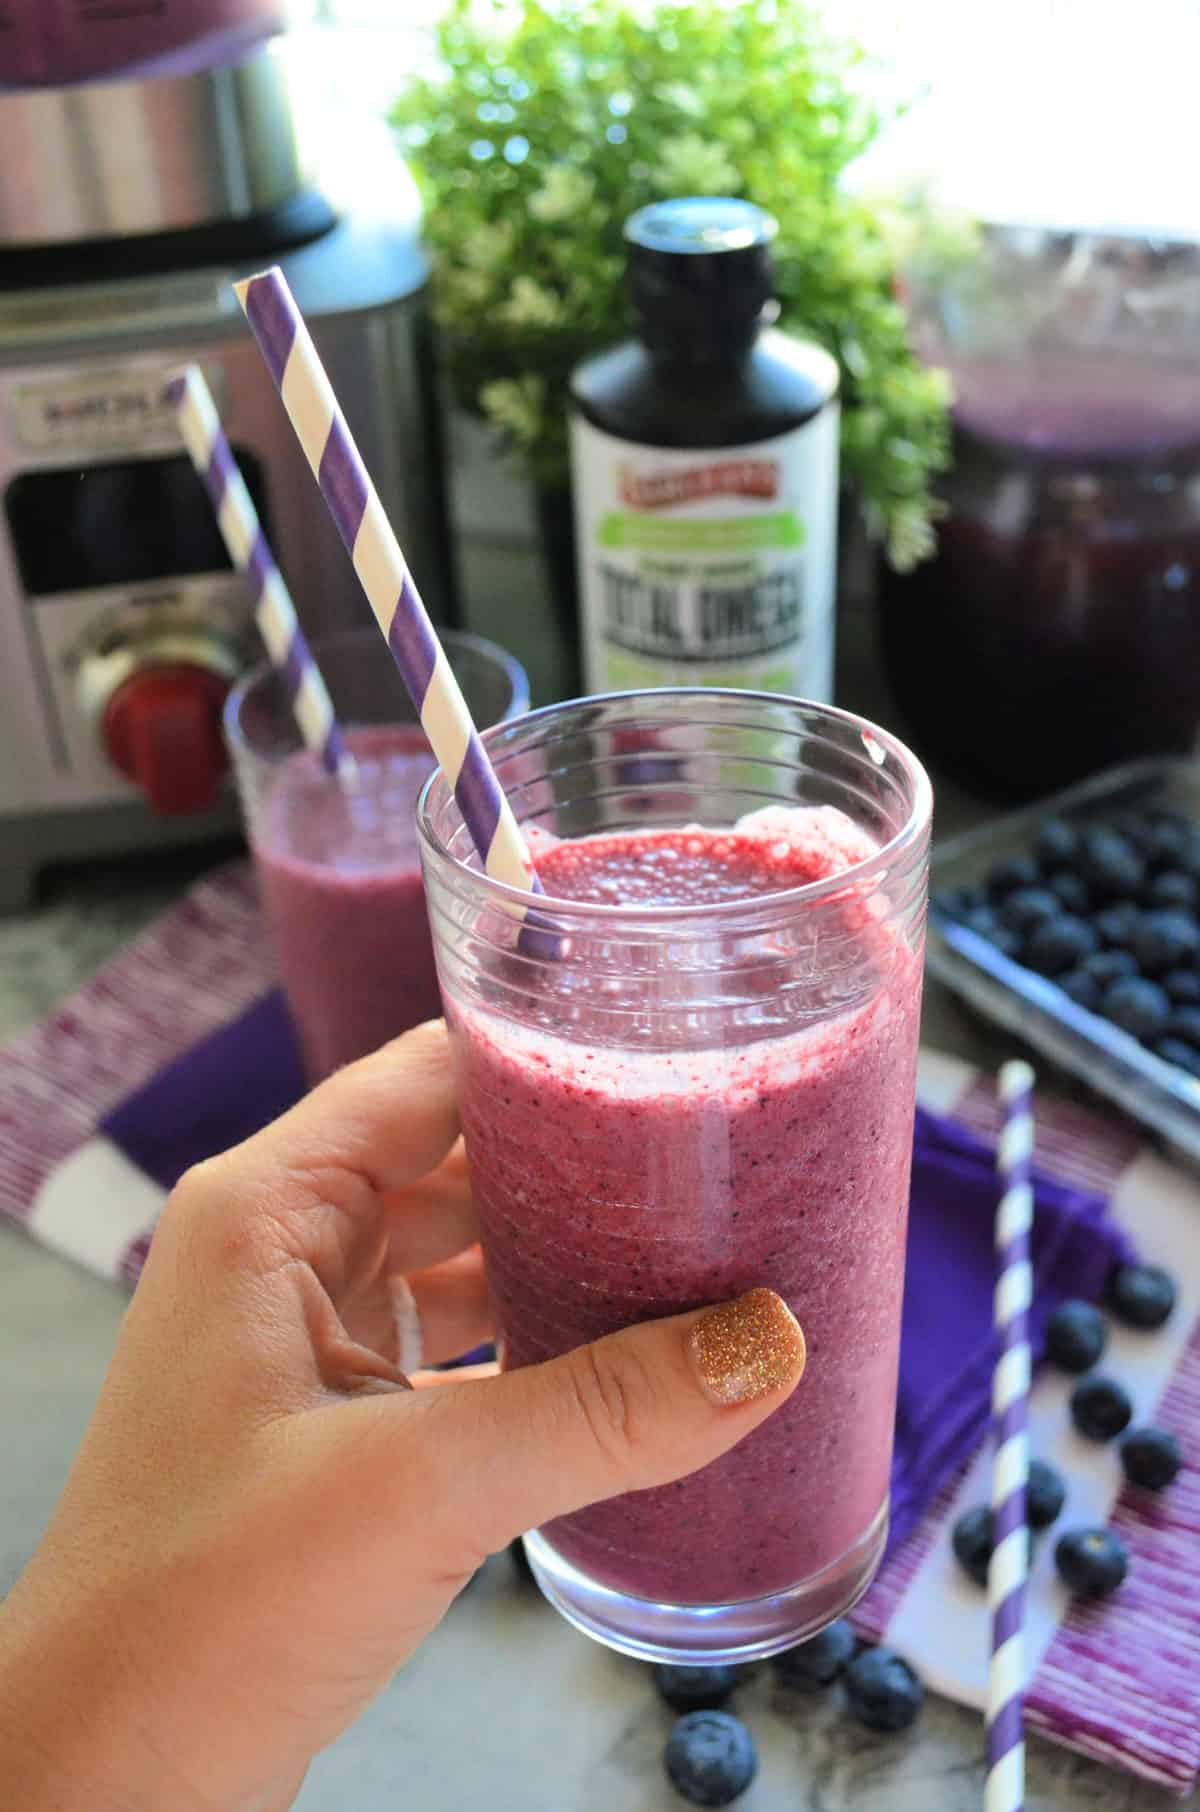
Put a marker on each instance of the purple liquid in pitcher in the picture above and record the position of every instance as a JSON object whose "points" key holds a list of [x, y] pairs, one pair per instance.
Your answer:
{"points": [[615, 1185], [49, 43], [1056, 630]]}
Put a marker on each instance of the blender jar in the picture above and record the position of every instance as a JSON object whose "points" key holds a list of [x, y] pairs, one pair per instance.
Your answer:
{"points": [[1056, 629]]}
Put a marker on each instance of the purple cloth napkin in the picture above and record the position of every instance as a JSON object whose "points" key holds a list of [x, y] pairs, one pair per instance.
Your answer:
{"points": [[229, 1085], [947, 1347], [219, 1092]]}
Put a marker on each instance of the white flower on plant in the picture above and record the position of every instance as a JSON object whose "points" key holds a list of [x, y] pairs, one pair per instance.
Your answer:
{"points": [[530, 304], [680, 96], [465, 288], [489, 245], [565, 190], [516, 405], [690, 165]]}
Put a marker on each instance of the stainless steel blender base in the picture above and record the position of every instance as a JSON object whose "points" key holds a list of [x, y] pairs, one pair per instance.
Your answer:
{"points": [[107, 160], [29, 843]]}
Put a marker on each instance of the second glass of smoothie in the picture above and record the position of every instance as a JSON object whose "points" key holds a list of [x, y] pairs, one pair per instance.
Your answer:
{"points": [[338, 866], [702, 1081]]}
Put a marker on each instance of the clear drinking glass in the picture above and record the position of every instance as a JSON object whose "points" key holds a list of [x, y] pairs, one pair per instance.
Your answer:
{"points": [[666, 1106], [338, 867]]}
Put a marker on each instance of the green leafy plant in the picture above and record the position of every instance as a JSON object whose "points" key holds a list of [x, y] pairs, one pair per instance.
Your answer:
{"points": [[550, 121]]}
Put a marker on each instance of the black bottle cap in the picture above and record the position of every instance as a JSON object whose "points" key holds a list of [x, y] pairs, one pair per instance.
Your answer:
{"points": [[699, 273]]}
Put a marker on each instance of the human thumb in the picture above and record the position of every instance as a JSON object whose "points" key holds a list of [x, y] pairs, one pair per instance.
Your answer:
{"points": [[639, 1408]]}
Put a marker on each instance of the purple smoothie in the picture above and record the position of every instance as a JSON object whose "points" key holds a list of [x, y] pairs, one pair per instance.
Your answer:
{"points": [[615, 1185], [341, 884]]}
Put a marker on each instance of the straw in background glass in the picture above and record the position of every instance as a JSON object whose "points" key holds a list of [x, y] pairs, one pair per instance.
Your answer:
{"points": [[275, 614], [321, 429]]}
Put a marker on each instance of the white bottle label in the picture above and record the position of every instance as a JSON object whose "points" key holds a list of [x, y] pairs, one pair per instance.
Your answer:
{"points": [[708, 567]]}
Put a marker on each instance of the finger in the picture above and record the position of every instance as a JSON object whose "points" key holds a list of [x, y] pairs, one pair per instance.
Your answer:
{"points": [[316, 1180], [432, 1220], [384, 1122], [640, 1408], [453, 1308]]}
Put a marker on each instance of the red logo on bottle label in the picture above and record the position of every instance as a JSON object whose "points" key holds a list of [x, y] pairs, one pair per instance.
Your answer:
{"points": [[727, 478]]}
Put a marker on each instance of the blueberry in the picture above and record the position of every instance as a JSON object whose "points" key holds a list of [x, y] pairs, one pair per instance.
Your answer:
{"points": [[957, 902], [1165, 839], [972, 1542], [1183, 986], [1172, 888], [1139, 1007], [710, 1758], [983, 919], [1029, 907], [1076, 1335], [819, 1661], [1164, 940], [971, 1538], [1079, 987], [1185, 1024], [1070, 890], [1100, 1408], [1060, 943], [882, 1690], [1109, 966], [1057, 843], [1091, 1562], [1185, 1057], [1140, 1295], [1151, 1458], [1172, 815], [1136, 827], [1111, 864], [1045, 1495], [695, 1688], [1116, 924], [1014, 872]]}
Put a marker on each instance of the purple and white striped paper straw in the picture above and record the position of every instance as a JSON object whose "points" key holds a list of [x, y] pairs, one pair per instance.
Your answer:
{"points": [[321, 429], [1009, 1567], [241, 531]]}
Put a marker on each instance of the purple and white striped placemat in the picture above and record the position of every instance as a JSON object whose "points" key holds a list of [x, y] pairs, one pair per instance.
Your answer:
{"points": [[195, 968], [1119, 1682]]}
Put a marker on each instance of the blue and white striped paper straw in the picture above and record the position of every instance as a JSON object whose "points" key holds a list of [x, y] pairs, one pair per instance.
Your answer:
{"points": [[242, 533], [321, 429], [1009, 1566]]}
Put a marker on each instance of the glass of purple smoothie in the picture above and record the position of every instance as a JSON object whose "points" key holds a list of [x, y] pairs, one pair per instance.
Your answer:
{"points": [[703, 1084], [338, 868]]}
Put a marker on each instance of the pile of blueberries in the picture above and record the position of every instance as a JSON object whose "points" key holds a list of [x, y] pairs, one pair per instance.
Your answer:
{"points": [[1110, 912], [710, 1755], [1091, 1562]]}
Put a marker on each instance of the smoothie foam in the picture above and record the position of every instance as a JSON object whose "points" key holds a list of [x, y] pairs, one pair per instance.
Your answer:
{"points": [[615, 1184]]}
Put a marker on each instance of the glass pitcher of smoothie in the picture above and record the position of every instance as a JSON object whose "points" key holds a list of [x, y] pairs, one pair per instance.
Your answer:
{"points": [[702, 1080], [338, 866]]}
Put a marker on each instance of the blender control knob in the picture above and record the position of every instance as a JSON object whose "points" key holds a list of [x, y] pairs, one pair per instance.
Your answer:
{"points": [[162, 728]]}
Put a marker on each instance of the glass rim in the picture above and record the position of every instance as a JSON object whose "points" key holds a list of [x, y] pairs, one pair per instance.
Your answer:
{"points": [[369, 632], [909, 834]]}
